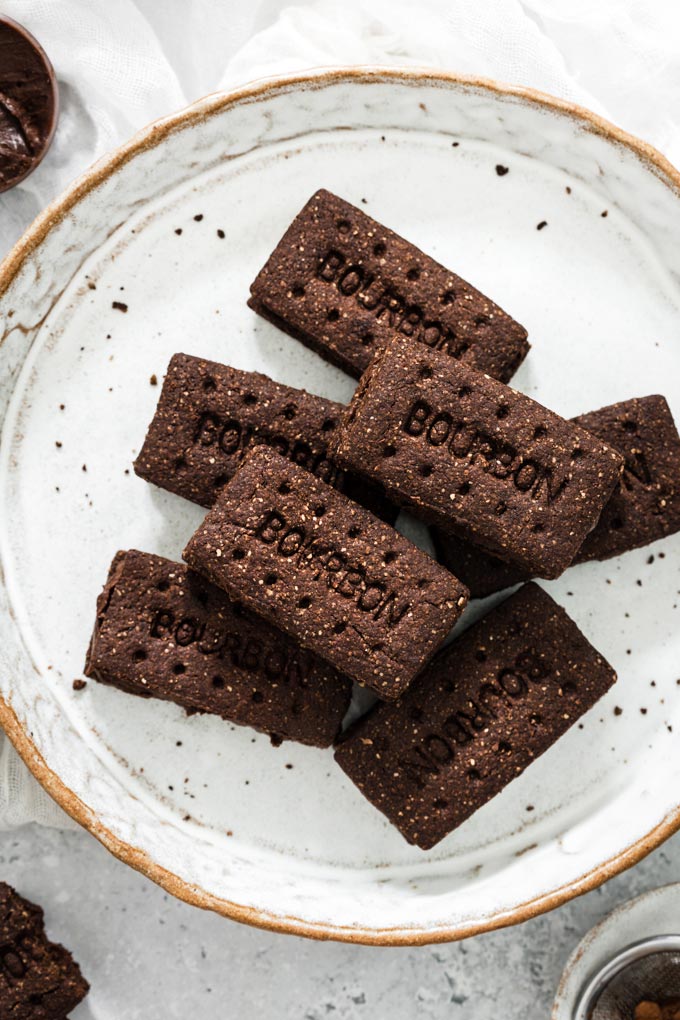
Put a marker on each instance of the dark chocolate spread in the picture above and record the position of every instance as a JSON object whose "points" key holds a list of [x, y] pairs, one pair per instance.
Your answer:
{"points": [[28, 103]]}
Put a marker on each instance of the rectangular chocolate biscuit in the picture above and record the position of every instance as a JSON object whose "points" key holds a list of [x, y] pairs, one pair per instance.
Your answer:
{"points": [[326, 571], [163, 631], [343, 284], [484, 709], [473, 456], [39, 979], [479, 571], [209, 416], [646, 504], [644, 507]]}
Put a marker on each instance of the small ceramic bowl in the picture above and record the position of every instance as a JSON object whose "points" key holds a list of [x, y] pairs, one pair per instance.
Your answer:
{"points": [[624, 949], [29, 103]]}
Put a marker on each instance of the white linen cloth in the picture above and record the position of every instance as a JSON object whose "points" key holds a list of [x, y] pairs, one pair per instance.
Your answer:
{"points": [[123, 63]]}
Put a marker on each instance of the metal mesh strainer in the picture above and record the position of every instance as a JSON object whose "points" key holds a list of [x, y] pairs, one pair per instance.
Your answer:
{"points": [[645, 971]]}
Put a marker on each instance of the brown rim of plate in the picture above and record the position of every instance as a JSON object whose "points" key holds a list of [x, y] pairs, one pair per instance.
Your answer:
{"points": [[47, 141], [138, 859]]}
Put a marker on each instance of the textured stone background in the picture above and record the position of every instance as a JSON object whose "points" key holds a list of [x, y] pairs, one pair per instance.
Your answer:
{"points": [[150, 957]]}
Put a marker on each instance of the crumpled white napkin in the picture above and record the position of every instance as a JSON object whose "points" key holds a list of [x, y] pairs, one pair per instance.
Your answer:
{"points": [[123, 63]]}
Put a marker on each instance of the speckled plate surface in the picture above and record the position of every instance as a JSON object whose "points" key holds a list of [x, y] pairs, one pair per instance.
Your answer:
{"points": [[152, 252]]}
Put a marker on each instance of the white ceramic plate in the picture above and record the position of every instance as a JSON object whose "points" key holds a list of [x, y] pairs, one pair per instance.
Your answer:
{"points": [[212, 811]]}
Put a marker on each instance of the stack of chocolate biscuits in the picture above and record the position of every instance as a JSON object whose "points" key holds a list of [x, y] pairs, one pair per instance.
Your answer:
{"points": [[298, 584]]}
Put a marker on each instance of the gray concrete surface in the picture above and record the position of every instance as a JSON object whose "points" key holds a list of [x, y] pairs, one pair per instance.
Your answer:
{"points": [[150, 957]]}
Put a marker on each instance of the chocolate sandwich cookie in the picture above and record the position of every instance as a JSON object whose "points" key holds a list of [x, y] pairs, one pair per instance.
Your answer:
{"points": [[326, 571], [210, 415], [343, 284], [475, 457], [484, 709], [644, 507], [164, 632], [479, 571], [39, 979], [646, 504]]}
